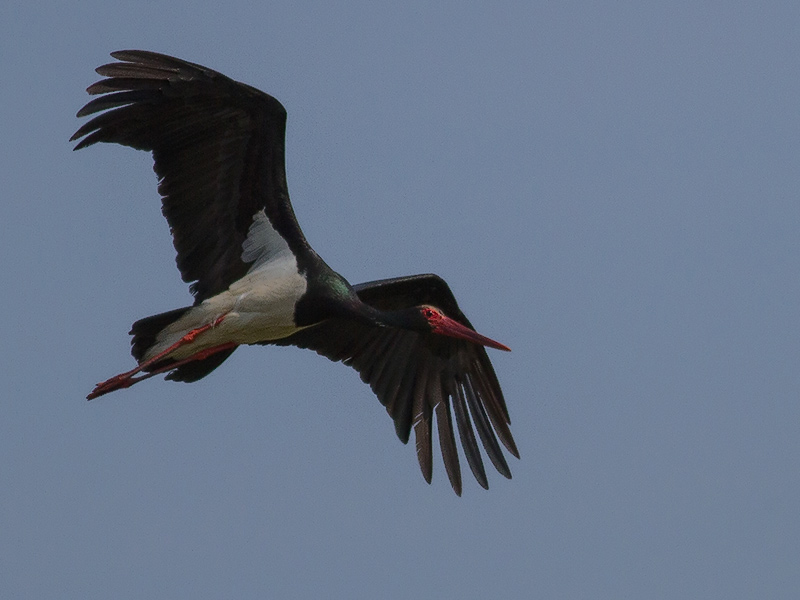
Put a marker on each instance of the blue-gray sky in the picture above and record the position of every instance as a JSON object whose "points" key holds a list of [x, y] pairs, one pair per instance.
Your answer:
{"points": [[611, 189]]}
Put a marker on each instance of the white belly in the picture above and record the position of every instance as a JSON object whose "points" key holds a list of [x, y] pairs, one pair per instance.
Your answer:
{"points": [[257, 308]]}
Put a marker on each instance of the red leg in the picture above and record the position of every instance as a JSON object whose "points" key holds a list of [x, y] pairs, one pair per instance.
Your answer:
{"points": [[127, 379]]}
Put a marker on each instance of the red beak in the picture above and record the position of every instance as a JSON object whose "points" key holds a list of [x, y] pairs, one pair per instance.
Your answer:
{"points": [[444, 325]]}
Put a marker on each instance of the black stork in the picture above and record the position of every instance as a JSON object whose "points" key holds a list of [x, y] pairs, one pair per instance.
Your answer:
{"points": [[218, 148]]}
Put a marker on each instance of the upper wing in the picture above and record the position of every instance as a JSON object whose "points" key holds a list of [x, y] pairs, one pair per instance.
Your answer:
{"points": [[416, 375], [218, 147]]}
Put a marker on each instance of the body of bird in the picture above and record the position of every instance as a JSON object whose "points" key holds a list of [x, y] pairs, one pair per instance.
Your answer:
{"points": [[218, 148], [256, 308]]}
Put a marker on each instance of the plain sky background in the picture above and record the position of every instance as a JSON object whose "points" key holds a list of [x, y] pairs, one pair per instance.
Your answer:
{"points": [[610, 188]]}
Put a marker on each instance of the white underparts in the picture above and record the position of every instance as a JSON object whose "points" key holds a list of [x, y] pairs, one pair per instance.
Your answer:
{"points": [[258, 307]]}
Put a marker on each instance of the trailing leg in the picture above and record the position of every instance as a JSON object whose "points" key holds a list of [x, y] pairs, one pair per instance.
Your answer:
{"points": [[142, 331]]}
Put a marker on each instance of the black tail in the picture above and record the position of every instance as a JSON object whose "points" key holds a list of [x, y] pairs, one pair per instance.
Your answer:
{"points": [[145, 331]]}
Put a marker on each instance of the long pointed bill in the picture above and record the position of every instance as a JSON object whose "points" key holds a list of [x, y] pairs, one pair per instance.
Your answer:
{"points": [[444, 325]]}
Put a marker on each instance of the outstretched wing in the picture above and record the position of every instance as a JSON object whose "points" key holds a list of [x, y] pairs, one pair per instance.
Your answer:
{"points": [[417, 376], [218, 147]]}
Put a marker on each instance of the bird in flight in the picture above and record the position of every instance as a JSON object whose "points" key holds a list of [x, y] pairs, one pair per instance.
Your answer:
{"points": [[218, 149]]}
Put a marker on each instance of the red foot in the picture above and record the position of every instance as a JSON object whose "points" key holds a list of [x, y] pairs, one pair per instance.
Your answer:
{"points": [[127, 379], [118, 382]]}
